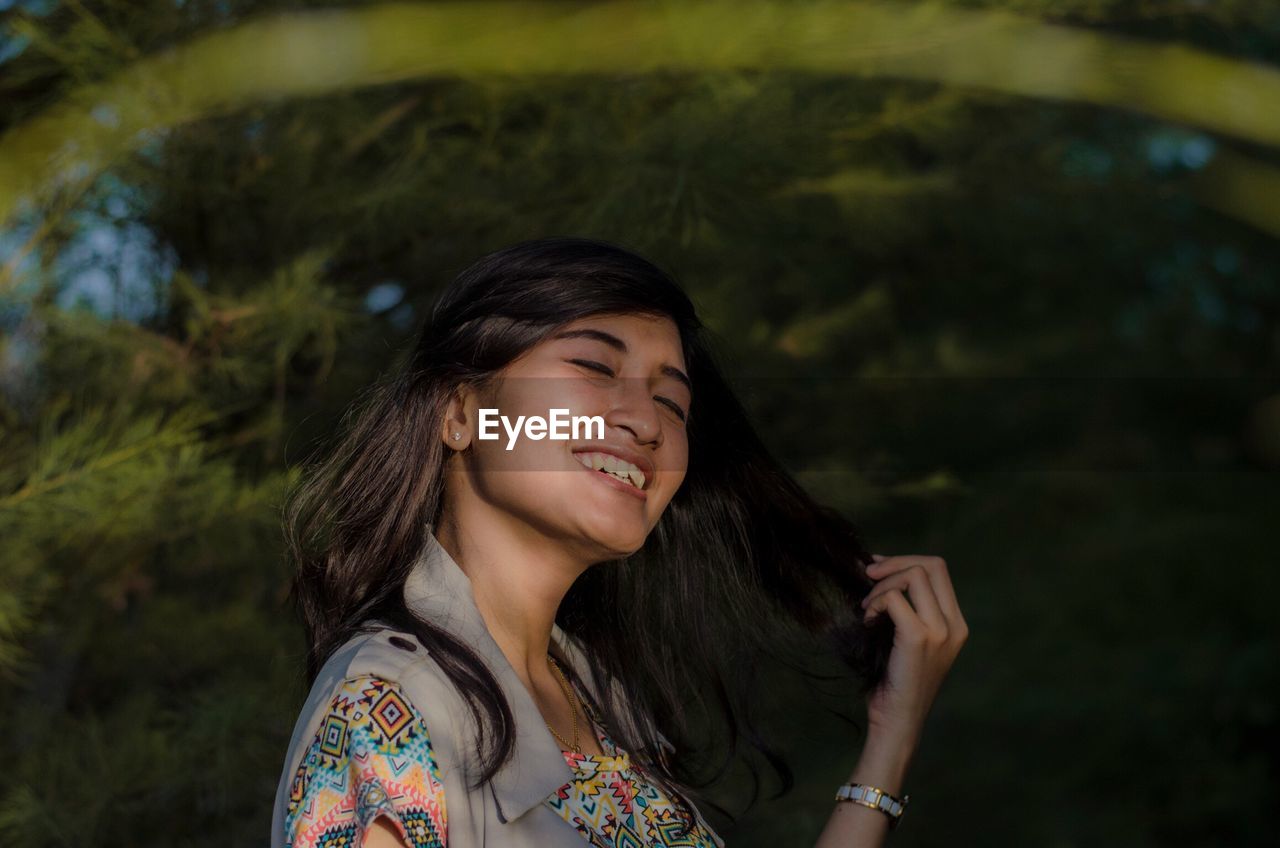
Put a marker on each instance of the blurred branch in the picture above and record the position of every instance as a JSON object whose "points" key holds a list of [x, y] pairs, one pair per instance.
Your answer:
{"points": [[104, 32], [303, 54], [1242, 188], [159, 438], [385, 121]]}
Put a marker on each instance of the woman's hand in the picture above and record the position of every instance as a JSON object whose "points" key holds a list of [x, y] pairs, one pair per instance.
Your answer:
{"points": [[929, 631]]}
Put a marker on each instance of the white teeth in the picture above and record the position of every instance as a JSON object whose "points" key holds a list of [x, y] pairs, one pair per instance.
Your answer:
{"points": [[611, 464]]}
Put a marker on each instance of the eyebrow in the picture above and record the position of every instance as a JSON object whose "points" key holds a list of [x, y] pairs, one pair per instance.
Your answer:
{"points": [[618, 344]]}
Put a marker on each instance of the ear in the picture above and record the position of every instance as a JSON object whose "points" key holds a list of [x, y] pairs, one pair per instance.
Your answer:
{"points": [[457, 425]]}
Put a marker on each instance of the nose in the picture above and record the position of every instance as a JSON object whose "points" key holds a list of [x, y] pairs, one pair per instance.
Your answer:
{"points": [[635, 411]]}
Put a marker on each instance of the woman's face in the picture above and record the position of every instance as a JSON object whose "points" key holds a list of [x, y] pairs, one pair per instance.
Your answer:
{"points": [[628, 370]]}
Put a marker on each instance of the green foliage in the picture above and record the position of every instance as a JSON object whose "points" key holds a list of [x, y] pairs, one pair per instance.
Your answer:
{"points": [[993, 328], [140, 621]]}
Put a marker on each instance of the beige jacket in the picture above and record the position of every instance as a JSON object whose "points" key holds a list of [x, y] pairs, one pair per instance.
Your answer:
{"points": [[508, 810]]}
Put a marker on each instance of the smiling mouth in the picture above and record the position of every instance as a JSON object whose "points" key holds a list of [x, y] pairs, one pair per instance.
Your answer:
{"points": [[613, 466]]}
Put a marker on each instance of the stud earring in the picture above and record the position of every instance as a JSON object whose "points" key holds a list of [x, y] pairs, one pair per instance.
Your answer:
{"points": [[457, 436]]}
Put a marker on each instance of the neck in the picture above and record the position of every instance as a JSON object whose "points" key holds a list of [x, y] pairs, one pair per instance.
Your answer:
{"points": [[518, 578]]}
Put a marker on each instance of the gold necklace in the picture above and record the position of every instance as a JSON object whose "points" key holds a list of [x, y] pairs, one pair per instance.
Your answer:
{"points": [[573, 705]]}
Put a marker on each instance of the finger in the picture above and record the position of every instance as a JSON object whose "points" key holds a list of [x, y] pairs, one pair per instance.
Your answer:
{"points": [[944, 589], [885, 566], [922, 596], [879, 557], [873, 606], [939, 576], [907, 625], [916, 582], [882, 585]]}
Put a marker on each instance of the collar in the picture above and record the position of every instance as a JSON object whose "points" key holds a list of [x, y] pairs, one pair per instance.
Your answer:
{"points": [[438, 590]]}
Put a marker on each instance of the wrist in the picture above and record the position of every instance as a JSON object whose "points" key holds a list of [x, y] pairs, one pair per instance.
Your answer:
{"points": [[884, 762]]}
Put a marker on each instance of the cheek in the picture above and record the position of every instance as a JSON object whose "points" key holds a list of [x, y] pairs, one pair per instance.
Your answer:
{"points": [[676, 449], [673, 464], [538, 396], [581, 398]]}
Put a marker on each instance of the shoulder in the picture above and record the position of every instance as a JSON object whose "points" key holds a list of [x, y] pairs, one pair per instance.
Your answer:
{"points": [[382, 652], [368, 717], [371, 756], [376, 710], [397, 656]]}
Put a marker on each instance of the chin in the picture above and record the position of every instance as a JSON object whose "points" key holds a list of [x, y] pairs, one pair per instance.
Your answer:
{"points": [[619, 537]]}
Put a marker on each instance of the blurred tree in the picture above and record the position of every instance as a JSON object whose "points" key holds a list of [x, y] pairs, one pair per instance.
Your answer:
{"points": [[993, 328]]}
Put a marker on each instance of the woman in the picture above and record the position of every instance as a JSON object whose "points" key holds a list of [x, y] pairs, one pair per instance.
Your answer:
{"points": [[507, 635]]}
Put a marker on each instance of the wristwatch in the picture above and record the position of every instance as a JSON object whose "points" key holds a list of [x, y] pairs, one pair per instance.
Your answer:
{"points": [[876, 799]]}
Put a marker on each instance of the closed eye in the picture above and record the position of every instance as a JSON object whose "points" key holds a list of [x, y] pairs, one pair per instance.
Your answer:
{"points": [[593, 365], [605, 369], [675, 407]]}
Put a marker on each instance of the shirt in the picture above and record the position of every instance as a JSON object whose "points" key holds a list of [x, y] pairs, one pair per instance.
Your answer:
{"points": [[371, 756], [385, 733]]}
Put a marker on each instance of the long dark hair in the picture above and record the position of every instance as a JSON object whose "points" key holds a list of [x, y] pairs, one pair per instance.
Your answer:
{"points": [[741, 560]]}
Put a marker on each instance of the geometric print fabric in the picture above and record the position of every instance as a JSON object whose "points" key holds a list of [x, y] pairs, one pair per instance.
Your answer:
{"points": [[372, 757], [613, 804]]}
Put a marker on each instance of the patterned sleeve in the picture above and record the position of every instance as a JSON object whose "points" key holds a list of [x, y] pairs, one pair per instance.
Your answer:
{"points": [[371, 757]]}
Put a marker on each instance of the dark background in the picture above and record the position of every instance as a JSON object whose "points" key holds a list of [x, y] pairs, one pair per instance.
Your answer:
{"points": [[1034, 332]]}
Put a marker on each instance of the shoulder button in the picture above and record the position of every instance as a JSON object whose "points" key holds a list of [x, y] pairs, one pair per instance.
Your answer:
{"points": [[402, 643]]}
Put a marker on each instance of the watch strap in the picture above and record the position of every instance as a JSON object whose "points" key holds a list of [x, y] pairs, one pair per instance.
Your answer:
{"points": [[875, 798]]}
